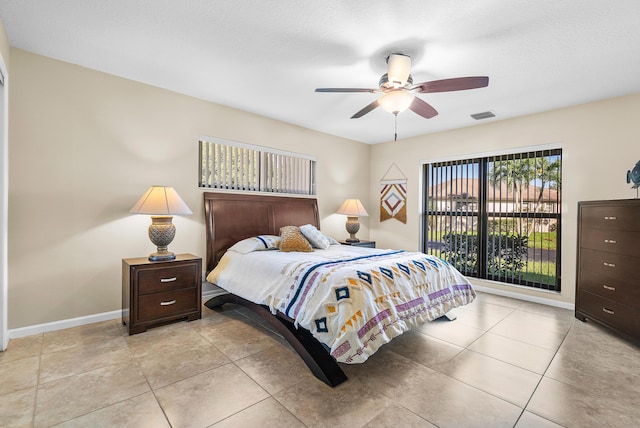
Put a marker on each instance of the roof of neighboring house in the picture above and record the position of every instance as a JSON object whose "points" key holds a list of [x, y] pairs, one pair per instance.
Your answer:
{"points": [[469, 188]]}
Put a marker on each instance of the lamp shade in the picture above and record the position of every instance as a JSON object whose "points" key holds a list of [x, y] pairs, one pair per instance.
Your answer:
{"points": [[396, 101], [160, 200], [352, 208]]}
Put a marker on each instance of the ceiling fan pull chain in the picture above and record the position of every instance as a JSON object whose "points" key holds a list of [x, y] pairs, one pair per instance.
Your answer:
{"points": [[396, 128]]}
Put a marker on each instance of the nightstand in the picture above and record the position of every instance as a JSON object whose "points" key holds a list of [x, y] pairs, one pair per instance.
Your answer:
{"points": [[361, 243], [159, 292]]}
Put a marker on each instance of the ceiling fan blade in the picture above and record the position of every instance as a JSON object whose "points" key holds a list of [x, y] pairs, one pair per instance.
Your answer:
{"points": [[365, 110], [371, 91], [422, 108], [455, 84]]}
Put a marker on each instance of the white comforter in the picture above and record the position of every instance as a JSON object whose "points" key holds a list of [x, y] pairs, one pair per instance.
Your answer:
{"points": [[352, 299]]}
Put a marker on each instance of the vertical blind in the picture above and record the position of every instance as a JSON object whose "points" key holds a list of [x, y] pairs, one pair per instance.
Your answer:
{"points": [[237, 166], [497, 217]]}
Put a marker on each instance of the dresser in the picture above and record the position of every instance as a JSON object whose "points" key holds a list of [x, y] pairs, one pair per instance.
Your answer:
{"points": [[608, 265], [157, 292]]}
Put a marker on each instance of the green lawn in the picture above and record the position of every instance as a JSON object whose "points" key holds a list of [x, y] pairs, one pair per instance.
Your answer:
{"points": [[544, 240], [541, 272]]}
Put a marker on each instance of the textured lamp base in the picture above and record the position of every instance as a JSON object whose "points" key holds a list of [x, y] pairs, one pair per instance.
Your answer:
{"points": [[352, 225], [161, 233]]}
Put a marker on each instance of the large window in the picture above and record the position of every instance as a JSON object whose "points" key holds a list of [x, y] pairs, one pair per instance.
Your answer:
{"points": [[497, 217], [231, 165]]}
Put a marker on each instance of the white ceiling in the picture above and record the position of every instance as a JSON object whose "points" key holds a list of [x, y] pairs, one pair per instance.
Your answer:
{"points": [[268, 56]]}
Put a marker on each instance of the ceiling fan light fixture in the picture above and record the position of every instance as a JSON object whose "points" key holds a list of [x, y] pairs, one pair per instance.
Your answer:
{"points": [[399, 69], [396, 101]]}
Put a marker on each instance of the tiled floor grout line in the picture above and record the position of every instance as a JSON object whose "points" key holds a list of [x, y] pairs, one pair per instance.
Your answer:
{"points": [[541, 378]]}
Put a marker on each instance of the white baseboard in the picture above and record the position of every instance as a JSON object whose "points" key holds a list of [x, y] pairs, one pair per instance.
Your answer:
{"points": [[525, 297], [62, 324], [75, 322]]}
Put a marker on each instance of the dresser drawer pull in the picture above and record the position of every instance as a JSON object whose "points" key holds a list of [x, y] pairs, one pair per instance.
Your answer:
{"points": [[610, 241], [608, 287], [167, 303], [611, 218], [609, 264], [168, 279], [608, 311]]}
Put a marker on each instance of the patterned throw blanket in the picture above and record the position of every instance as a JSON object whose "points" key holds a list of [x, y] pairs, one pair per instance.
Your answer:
{"points": [[356, 304]]}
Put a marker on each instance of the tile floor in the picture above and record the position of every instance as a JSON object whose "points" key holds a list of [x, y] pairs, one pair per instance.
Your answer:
{"points": [[502, 363]]}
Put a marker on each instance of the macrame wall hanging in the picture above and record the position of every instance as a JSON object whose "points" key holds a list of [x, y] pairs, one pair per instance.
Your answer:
{"points": [[393, 195]]}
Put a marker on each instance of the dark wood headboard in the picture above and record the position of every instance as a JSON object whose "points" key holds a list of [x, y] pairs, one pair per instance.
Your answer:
{"points": [[230, 217]]}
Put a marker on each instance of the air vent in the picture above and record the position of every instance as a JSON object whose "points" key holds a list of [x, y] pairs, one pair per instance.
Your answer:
{"points": [[483, 115]]}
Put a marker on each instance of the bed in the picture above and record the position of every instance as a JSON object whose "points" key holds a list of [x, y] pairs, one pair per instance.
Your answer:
{"points": [[335, 304]]}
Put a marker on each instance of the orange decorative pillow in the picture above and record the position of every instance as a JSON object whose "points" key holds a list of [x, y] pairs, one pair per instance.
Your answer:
{"points": [[293, 240]]}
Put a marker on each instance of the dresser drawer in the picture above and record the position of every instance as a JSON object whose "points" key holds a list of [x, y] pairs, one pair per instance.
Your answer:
{"points": [[611, 241], [610, 275], [618, 216], [167, 304], [613, 314], [167, 278]]}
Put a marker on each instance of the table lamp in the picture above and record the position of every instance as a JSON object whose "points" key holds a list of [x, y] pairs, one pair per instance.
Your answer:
{"points": [[353, 209], [162, 203]]}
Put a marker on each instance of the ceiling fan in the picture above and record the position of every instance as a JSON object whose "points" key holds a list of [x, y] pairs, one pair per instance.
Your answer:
{"points": [[398, 90]]}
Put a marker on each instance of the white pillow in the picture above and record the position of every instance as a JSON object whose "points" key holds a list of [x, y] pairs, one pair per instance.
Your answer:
{"points": [[257, 243], [315, 237]]}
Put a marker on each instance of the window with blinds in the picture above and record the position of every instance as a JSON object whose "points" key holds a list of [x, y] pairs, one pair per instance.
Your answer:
{"points": [[497, 217], [237, 166]]}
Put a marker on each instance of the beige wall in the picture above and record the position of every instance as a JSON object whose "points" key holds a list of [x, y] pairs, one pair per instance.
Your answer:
{"points": [[85, 145], [600, 142]]}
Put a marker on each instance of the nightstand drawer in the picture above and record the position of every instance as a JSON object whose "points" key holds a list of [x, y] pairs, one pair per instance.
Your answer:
{"points": [[159, 305], [167, 278]]}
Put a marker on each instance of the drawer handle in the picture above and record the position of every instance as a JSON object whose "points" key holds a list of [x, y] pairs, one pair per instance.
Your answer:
{"points": [[608, 287], [167, 303], [610, 241], [611, 218], [609, 264], [168, 279], [608, 311]]}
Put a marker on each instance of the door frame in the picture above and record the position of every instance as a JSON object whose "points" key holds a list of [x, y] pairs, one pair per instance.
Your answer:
{"points": [[4, 205]]}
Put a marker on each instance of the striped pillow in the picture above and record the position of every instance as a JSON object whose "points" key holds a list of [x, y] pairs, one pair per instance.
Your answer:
{"points": [[257, 243]]}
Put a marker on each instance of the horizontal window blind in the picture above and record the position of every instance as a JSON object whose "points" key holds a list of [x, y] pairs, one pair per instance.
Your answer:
{"points": [[236, 166]]}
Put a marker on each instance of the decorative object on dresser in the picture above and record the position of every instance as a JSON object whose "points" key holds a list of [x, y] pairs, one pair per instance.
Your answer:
{"points": [[157, 292], [162, 203], [361, 243], [607, 288], [633, 176], [353, 209]]}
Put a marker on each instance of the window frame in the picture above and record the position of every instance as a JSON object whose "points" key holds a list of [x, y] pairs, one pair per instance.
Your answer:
{"points": [[484, 215]]}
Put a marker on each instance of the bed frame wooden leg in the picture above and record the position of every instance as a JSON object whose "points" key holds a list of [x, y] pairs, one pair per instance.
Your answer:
{"points": [[312, 352]]}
